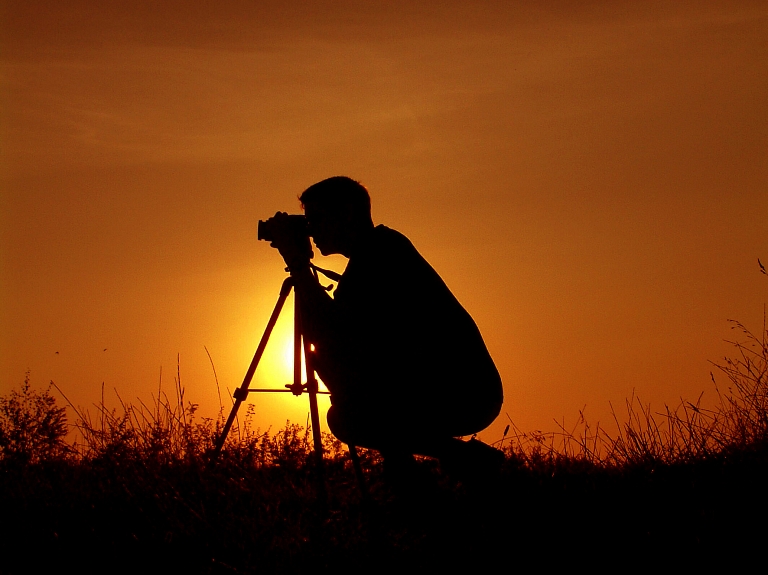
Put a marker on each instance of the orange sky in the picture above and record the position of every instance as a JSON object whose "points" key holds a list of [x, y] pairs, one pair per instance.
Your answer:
{"points": [[590, 181]]}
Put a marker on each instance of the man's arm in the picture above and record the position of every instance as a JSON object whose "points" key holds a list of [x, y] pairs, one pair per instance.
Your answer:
{"points": [[318, 313], [322, 327], [317, 307], [321, 320]]}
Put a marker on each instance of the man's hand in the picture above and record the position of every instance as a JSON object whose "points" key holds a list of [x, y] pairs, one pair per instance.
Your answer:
{"points": [[292, 242]]}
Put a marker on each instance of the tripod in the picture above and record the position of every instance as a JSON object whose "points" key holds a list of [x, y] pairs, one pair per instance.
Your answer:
{"points": [[297, 388]]}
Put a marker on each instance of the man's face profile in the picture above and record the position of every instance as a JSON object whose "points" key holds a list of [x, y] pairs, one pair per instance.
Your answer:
{"points": [[338, 215], [325, 229]]}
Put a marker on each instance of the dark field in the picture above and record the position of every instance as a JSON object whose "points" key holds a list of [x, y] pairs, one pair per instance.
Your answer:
{"points": [[236, 518], [137, 493]]}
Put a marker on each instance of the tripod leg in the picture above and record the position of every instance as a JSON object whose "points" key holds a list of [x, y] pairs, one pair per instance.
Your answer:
{"points": [[313, 408], [311, 383], [242, 392]]}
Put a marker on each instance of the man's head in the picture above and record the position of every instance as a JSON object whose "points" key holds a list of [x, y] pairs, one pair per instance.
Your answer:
{"points": [[338, 211]]}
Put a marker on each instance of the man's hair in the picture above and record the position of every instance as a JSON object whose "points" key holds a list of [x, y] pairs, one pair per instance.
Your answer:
{"points": [[338, 194]]}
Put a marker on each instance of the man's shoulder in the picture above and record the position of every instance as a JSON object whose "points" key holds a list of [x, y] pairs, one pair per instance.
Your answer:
{"points": [[382, 231], [384, 237], [392, 248]]}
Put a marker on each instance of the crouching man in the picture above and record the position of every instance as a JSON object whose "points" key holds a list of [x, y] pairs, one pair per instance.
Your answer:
{"points": [[406, 366]]}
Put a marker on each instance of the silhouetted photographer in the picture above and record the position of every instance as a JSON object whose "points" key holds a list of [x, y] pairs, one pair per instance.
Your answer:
{"points": [[406, 366]]}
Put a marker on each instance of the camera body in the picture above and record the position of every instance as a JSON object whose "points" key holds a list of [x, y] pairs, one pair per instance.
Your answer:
{"points": [[285, 226], [289, 234]]}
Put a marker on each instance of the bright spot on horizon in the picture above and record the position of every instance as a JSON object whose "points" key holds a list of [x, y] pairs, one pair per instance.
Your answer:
{"points": [[288, 357]]}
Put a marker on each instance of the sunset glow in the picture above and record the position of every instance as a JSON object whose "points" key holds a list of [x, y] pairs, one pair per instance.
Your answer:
{"points": [[590, 180]]}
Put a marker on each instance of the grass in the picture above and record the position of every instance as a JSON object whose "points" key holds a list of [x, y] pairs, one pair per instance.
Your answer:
{"points": [[687, 433], [136, 490]]}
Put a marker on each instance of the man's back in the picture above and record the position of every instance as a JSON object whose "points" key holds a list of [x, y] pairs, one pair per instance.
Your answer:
{"points": [[408, 344]]}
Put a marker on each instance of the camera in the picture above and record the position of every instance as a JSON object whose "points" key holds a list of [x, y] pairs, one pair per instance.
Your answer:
{"points": [[289, 234], [283, 226]]}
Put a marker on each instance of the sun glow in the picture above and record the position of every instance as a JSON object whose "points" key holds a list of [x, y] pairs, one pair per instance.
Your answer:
{"points": [[289, 359], [276, 367], [275, 371]]}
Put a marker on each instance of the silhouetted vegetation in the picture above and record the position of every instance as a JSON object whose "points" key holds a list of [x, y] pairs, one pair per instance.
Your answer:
{"points": [[689, 433], [136, 489], [32, 426]]}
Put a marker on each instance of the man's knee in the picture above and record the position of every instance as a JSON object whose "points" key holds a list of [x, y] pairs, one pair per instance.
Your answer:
{"points": [[339, 425], [360, 426]]}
